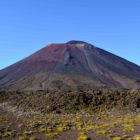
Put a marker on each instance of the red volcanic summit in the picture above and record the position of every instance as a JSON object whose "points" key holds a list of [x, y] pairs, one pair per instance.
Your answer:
{"points": [[72, 65]]}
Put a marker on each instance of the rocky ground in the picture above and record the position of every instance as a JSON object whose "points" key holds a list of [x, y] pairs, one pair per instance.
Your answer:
{"points": [[86, 123]]}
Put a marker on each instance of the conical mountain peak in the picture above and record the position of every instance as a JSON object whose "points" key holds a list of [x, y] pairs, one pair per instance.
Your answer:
{"points": [[70, 65]]}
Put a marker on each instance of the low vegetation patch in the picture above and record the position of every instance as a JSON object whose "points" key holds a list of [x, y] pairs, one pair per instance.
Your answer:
{"points": [[83, 115]]}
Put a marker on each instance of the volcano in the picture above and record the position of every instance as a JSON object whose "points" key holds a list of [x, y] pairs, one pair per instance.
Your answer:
{"points": [[72, 65]]}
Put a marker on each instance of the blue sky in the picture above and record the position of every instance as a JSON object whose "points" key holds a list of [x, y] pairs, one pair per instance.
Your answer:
{"points": [[28, 25]]}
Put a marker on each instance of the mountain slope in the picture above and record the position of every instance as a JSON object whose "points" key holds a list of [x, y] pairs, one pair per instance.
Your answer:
{"points": [[72, 65]]}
